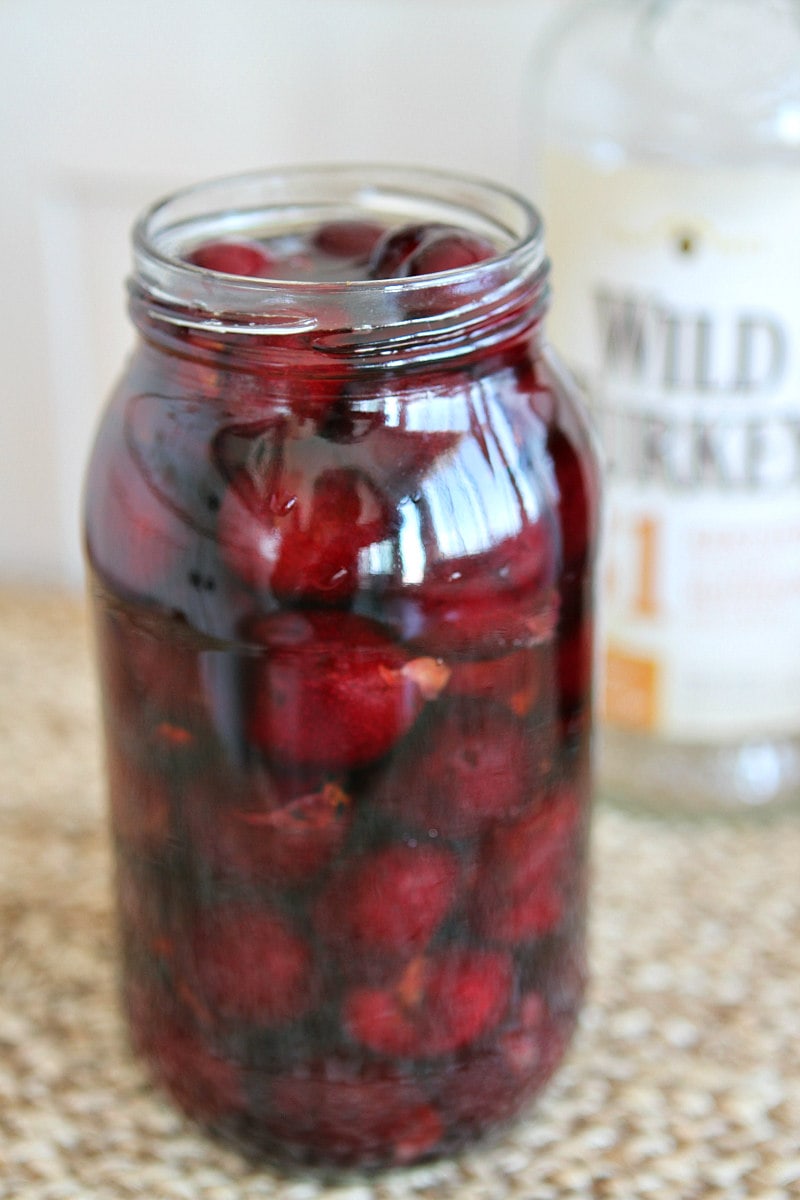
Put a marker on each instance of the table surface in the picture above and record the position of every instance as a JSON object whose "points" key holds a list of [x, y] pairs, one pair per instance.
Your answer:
{"points": [[683, 1080]]}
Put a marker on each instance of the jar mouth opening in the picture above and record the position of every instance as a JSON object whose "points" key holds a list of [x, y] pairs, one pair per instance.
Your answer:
{"points": [[271, 202]]}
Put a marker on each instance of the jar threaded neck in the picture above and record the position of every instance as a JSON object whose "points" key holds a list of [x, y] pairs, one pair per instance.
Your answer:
{"points": [[349, 316]]}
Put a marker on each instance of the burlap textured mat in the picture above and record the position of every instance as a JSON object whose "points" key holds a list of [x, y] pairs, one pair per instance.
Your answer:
{"points": [[684, 1080]]}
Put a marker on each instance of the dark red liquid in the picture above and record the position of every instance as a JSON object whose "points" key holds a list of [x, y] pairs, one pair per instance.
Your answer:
{"points": [[342, 630]]}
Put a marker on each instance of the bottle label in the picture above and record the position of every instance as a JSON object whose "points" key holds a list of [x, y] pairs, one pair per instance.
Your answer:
{"points": [[677, 302]]}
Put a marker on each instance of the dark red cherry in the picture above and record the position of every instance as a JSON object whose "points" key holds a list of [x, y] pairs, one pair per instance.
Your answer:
{"points": [[494, 624], [389, 903], [249, 964], [476, 765], [332, 689], [320, 549], [437, 1004], [299, 534], [426, 249], [348, 239], [392, 251], [524, 560], [486, 604], [268, 830], [232, 258], [447, 251], [490, 1087], [524, 870]]}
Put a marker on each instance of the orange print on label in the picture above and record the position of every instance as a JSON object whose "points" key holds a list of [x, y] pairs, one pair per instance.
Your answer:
{"points": [[631, 690]]}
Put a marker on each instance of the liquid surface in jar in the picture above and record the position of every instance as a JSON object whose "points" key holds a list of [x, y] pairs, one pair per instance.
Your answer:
{"points": [[342, 250]]}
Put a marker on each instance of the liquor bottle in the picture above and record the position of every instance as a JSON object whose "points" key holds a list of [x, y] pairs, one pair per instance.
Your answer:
{"points": [[667, 144]]}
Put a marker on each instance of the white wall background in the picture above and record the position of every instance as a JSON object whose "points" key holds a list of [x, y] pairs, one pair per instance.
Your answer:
{"points": [[105, 104]]}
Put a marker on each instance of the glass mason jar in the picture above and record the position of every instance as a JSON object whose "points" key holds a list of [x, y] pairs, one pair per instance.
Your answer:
{"points": [[340, 529], [668, 135]]}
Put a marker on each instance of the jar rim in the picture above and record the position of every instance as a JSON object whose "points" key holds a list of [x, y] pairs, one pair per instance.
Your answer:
{"points": [[185, 293]]}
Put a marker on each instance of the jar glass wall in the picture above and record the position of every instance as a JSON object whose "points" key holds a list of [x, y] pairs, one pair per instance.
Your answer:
{"points": [[340, 523]]}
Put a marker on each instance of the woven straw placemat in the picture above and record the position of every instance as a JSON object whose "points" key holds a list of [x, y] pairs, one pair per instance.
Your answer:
{"points": [[683, 1081]]}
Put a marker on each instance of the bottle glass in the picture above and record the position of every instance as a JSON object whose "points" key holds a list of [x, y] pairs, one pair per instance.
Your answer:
{"points": [[666, 141]]}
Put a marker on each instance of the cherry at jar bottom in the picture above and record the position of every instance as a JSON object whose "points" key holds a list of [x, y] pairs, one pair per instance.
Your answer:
{"points": [[343, 604]]}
